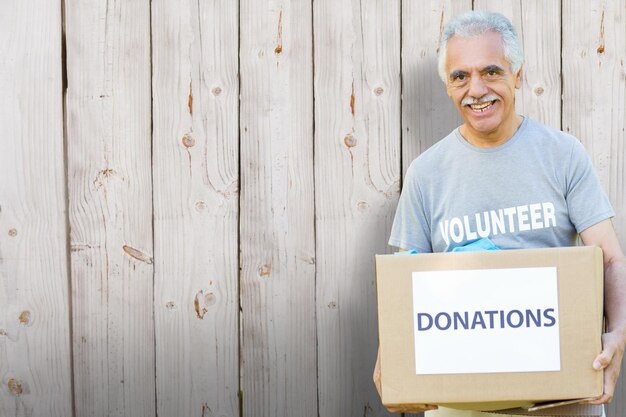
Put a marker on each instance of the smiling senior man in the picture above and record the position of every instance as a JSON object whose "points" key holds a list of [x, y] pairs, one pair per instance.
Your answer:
{"points": [[506, 177]]}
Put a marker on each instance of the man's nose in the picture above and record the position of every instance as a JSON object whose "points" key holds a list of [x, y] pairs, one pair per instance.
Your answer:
{"points": [[477, 87]]}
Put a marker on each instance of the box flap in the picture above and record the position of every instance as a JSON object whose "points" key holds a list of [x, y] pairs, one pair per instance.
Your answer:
{"points": [[571, 410]]}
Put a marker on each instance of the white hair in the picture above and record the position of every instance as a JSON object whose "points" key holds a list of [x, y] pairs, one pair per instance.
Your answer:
{"points": [[475, 23]]}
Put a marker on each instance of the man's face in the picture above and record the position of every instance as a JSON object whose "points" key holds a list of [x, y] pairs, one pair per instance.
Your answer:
{"points": [[482, 86]]}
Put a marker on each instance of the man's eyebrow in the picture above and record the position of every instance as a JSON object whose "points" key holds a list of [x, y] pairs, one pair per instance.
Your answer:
{"points": [[494, 68]]}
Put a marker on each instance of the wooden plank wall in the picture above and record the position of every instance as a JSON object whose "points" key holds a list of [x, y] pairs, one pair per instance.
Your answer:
{"points": [[191, 193], [35, 326]]}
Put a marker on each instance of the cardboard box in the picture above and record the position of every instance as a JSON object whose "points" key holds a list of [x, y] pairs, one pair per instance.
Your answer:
{"points": [[490, 330]]}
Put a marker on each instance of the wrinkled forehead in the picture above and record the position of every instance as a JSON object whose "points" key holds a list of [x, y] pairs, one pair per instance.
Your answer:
{"points": [[475, 52]]}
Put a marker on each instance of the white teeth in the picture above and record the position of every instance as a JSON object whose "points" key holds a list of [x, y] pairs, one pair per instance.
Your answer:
{"points": [[481, 106]]}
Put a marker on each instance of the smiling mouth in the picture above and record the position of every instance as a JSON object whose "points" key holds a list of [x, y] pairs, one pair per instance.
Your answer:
{"points": [[481, 107]]}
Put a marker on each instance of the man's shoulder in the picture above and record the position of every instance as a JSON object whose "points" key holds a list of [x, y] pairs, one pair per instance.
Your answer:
{"points": [[546, 132]]}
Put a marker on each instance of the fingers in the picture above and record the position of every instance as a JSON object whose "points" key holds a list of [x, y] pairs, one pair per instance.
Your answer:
{"points": [[610, 359], [604, 399], [603, 359], [611, 346]]}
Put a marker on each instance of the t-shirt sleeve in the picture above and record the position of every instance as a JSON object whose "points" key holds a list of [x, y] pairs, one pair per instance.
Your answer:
{"points": [[410, 228], [587, 202]]}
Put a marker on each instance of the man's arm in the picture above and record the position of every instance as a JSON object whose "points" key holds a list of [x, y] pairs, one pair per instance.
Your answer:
{"points": [[613, 341]]}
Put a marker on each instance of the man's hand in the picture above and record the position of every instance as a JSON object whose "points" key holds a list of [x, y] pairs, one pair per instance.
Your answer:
{"points": [[610, 359], [403, 408]]}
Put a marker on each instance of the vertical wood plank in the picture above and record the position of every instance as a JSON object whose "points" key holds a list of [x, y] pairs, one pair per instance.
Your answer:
{"points": [[594, 90], [35, 361], [195, 168], [538, 25], [277, 218], [428, 115], [110, 204], [594, 93], [357, 176]]}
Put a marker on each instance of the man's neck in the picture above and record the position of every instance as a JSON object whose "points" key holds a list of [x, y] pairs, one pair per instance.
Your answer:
{"points": [[491, 139]]}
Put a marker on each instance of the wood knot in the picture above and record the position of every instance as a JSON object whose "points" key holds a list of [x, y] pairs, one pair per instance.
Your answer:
{"points": [[210, 299], [349, 141], [170, 305], [600, 49], [104, 176], [332, 305], [24, 318], [264, 270], [15, 388], [362, 206], [12, 232], [539, 91], [137, 254], [216, 91], [200, 206], [379, 91], [202, 301], [188, 140]]}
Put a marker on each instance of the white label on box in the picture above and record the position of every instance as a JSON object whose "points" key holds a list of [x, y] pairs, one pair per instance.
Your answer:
{"points": [[486, 320]]}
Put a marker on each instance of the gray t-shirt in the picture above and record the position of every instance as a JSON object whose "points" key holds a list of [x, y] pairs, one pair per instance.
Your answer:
{"points": [[536, 190]]}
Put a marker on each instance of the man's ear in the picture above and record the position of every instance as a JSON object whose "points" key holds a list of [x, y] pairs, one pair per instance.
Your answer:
{"points": [[518, 79]]}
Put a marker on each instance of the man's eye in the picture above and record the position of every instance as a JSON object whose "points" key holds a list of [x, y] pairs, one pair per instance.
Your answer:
{"points": [[459, 78]]}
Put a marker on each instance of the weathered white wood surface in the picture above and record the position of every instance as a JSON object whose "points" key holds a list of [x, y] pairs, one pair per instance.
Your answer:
{"points": [[357, 176], [108, 118], [278, 344], [428, 115], [35, 359], [195, 170], [594, 90], [536, 22], [594, 96]]}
